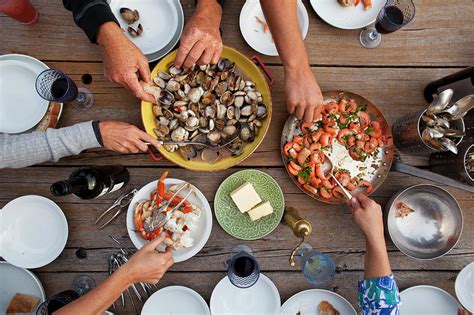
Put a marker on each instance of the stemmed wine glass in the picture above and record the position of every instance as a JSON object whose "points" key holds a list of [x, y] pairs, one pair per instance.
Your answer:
{"points": [[242, 269], [393, 16], [318, 268], [54, 85]]}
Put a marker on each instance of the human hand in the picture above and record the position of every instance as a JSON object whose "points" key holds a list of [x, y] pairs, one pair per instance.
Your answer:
{"points": [[368, 216], [201, 42], [303, 94], [124, 138], [124, 63], [148, 265]]}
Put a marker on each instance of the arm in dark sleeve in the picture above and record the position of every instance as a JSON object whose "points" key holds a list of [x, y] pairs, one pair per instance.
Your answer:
{"points": [[89, 15]]}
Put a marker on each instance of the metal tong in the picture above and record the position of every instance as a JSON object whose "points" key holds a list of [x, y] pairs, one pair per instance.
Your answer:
{"points": [[121, 203], [162, 215]]}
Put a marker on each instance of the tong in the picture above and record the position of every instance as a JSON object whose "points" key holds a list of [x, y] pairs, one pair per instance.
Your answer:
{"points": [[121, 203], [160, 219]]}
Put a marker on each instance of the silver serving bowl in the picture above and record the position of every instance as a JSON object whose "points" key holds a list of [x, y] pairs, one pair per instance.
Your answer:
{"points": [[434, 227]]}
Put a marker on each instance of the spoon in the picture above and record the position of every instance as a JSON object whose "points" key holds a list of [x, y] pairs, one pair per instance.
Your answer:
{"points": [[435, 143], [435, 133], [328, 168], [449, 144], [440, 103], [461, 107]]}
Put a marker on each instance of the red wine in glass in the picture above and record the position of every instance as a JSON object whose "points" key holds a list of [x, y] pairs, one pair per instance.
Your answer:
{"points": [[392, 17], [244, 266], [61, 90], [390, 21]]}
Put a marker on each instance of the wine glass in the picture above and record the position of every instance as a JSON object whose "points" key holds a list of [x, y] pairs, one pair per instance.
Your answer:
{"points": [[54, 85], [83, 284], [318, 268], [393, 16], [242, 269]]}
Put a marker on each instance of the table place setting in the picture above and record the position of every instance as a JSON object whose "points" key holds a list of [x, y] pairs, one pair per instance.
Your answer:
{"points": [[236, 157]]}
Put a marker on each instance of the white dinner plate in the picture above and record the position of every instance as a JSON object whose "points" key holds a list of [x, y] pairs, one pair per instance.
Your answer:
{"points": [[175, 300], [440, 301], [199, 235], [253, 33], [17, 280], [261, 298], [348, 18], [464, 287], [162, 23], [307, 302], [34, 231], [21, 107]]}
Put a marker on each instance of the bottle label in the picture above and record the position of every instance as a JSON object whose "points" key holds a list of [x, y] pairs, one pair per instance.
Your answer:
{"points": [[106, 189]]}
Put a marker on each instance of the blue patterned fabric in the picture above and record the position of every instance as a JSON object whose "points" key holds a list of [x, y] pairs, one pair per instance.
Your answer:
{"points": [[379, 296]]}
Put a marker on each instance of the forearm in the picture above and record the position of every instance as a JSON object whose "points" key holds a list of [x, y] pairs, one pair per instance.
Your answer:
{"points": [[209, 9], [283, 22], [377, 264], [27, 149], [99, 299]]}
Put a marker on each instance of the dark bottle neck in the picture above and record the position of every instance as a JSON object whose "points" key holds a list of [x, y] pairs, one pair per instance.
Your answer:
{"points": [[70, 186]]}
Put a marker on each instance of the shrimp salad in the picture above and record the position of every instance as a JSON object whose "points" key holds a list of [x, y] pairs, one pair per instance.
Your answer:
{"points": [[346, 135]]}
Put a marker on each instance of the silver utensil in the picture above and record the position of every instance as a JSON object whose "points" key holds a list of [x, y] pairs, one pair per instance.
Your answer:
{"points": [[459, 109], [440, 103], [449, 144], [435, 133], [121, 203], [328, 168]]}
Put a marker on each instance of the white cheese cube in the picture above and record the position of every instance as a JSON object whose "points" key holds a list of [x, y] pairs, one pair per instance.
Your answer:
{"points": [[245, 197], [260, 211]]}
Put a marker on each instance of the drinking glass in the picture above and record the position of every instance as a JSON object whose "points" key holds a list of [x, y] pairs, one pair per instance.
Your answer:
{"points": [[242, 269], [393, 16], [83, 284], [21, 10], [57, 301], [317, 268], [53, 85]]}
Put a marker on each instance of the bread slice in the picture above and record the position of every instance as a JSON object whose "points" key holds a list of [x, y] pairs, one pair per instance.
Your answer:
{"points": [[22, 303], [326, 308]]}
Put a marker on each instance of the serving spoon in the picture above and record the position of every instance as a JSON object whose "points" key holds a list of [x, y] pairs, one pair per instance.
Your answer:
{"points": [[440, 103], [328, 168]]}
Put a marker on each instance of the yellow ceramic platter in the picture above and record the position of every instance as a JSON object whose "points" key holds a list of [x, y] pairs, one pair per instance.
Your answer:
{"points": [[252, 72]]}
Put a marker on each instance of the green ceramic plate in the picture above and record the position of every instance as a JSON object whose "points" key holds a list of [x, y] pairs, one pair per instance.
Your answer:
{"points": [[239, 224]]}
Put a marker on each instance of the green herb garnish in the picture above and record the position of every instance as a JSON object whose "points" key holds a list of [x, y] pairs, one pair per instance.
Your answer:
{"points": [[304, 173]]}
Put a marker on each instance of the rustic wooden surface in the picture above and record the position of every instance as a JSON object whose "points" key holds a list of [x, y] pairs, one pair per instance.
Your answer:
{"points": [[392, 77]]}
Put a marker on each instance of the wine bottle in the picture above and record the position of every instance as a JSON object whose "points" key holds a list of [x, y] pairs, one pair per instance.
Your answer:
{"points": [[92, 182]]}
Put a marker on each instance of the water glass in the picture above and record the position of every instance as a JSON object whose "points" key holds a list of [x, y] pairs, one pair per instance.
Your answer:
{"points": [[83, 284], [21, 10], [54, 85], [318, 268], [392, 17], [242, 269]]}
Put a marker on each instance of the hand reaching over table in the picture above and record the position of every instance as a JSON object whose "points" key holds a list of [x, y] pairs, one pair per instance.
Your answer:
{"points": [[146, 265], [201, 41], [302, 91], [124, 63], [125, 138]]}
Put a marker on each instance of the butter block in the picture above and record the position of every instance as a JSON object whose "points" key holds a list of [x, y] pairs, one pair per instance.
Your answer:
{"points": [[261, 211], [245, 197]]}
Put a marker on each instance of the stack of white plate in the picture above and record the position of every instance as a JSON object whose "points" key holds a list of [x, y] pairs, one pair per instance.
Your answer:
{"points": [[162, 23]]}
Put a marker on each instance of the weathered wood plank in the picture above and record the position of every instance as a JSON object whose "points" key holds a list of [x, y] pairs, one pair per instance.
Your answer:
{"points": [[402, 93], [288, 283], [56, 37]]}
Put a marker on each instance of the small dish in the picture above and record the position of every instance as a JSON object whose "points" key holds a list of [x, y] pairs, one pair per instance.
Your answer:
{"points": [[34, 231], [175, 300], [253, 32], [17, 280], [239, 224], [464, 287], [440, 301], [261, 298], [348, 18], [199, 235], [307, 301]]}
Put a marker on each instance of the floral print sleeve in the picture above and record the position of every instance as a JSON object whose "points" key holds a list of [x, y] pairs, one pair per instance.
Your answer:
{"points": [[379, 296]]}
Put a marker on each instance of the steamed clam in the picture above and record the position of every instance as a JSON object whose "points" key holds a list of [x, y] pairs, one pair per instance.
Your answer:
{"points": [[210, 104], [129, 16]]}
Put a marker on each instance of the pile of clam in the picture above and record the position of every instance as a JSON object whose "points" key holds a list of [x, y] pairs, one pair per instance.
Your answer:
{"points": [[210, 104]]}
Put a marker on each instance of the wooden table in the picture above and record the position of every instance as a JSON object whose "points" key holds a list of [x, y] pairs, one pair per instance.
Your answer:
{"points": [[438, 42]]}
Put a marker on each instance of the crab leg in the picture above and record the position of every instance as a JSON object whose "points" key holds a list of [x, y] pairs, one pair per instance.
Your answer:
{"points": [[160, 188]]}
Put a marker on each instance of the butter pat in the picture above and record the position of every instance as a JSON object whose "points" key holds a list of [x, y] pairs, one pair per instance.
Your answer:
{"points": [[260, 211], [245, 197]]}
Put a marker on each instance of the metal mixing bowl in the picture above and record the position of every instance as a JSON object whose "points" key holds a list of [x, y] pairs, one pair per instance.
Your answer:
{"points": [[434, 227]]}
